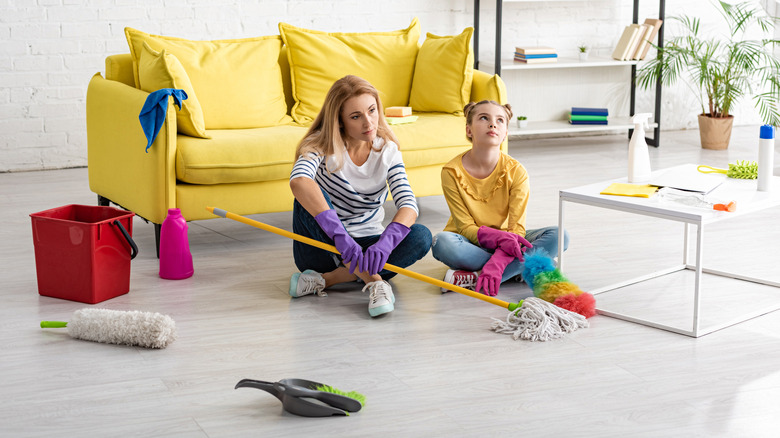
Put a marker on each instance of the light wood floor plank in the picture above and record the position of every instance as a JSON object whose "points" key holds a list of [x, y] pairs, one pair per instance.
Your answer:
{"points": [[432, 367]]}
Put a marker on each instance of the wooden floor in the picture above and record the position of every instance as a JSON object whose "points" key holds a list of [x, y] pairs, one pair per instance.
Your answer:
{"points": [[432, 367]]}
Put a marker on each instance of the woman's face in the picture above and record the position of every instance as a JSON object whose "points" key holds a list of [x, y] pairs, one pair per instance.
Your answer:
{"points": [[488, 125], [359, 118]]}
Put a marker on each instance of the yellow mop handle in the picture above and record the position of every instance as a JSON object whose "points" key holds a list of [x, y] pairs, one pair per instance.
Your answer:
{"points": [[388, 266]]}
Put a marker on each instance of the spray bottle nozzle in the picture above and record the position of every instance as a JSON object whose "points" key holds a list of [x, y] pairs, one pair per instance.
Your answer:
{"points": [[642, 119]]}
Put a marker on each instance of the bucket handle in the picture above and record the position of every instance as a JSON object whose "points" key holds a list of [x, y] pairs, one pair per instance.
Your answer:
{"points": [[129, 239]]}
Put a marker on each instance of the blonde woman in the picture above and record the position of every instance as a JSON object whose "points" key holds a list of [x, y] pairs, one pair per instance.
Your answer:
{"points": [[346, 162], [487, 193]]}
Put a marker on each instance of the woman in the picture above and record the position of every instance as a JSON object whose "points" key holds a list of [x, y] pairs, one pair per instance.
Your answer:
{"points": [[340, 180]]}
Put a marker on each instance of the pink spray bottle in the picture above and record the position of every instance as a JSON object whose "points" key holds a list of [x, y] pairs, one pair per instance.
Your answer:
{"points": [[175, 256]]}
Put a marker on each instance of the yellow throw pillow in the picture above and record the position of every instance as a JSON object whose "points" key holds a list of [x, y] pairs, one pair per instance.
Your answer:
{"points": [[443, 74], [158, 70], [239, 82], [318, 59]]}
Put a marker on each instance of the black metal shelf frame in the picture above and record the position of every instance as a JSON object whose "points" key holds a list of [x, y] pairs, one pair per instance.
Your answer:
{"points": [[655, 141]]}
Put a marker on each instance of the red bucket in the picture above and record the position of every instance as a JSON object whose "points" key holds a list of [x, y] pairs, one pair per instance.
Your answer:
{"points": [[83, 252]]}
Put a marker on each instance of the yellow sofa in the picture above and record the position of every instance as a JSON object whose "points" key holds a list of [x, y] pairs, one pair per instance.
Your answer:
{"points": [[243, 170]]}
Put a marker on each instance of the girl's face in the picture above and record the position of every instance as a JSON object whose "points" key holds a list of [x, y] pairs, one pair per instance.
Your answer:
{"points": [[488, 125], [360, 118]]}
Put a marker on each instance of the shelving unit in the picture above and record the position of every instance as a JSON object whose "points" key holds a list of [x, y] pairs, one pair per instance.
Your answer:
{"points": [[564, 65]]}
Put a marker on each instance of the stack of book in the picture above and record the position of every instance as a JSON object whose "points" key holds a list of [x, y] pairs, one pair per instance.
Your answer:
{"points": [[535, 55], [636, 40], [588, 116]]}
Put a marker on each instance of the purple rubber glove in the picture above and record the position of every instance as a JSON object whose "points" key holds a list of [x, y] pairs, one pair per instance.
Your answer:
{"points": [[512, 244], [377, 254], [490, 278], [351, 252]]}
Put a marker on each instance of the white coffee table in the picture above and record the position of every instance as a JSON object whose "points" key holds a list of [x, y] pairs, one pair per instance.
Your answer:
{"points": [[749, 201]]}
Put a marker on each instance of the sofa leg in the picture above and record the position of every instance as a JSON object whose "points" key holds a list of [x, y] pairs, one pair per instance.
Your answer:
{"points": [[103, 201], [157, 228]]}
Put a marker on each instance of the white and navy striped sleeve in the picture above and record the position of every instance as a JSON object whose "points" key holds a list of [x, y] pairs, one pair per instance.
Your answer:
{"points": [[306, 166], [403, 196]]}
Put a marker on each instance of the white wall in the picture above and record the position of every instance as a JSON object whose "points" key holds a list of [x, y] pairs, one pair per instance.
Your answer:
{"points": [[49, 49]]}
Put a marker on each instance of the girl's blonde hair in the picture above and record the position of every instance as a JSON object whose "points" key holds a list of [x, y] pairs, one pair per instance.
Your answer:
{"points": [[326, 134], [468, 111]]}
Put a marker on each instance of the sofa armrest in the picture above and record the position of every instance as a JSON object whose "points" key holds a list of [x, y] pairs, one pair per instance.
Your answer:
{"points": [[119, 167], [485, 86]]}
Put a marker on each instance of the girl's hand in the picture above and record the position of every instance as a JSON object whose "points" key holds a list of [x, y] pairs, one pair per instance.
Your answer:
{"points": [[511, 243], [490, 277]]}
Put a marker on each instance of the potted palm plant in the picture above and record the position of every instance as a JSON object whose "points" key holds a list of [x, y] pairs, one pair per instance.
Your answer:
{"points": [[721, 71]]}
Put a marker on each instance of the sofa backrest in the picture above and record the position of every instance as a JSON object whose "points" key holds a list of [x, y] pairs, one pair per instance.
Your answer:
{"points": [[120, 68]]}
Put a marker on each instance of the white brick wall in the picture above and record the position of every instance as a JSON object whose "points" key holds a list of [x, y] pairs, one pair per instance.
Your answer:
{"points": [[49, 49]]}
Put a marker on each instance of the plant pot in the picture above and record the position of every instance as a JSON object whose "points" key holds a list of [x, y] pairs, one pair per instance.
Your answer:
{"points": [[583, 56], [522, 123], [715, 132]]}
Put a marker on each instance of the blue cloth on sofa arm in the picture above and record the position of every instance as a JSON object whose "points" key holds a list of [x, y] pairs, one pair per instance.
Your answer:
{"points": [[153, 112]]}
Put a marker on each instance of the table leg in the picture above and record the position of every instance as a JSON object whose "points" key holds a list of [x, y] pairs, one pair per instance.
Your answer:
{"points": [[699, 264], [560, 233]]}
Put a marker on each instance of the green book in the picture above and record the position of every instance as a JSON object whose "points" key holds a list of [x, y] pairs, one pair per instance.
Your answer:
{"points": [[589, 118]]}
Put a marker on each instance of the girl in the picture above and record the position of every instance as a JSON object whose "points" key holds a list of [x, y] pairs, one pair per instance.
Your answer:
{"points": [[340, 180], [487, 193]]}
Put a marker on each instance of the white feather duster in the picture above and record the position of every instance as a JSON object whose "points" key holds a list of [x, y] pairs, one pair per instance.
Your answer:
{"points": [[142, 329]]}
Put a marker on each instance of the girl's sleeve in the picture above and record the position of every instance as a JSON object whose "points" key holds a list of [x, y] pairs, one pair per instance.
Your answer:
{"points": [[306, 166], [461, 216], [519, 191], [403, 196]]}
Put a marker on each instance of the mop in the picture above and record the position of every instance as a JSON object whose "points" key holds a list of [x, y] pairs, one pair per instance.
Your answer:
{"points": [[531, 319], [142, 329]]}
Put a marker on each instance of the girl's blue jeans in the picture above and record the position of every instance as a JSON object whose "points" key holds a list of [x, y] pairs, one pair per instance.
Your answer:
{"points": [[459, 253], [415, 245]]}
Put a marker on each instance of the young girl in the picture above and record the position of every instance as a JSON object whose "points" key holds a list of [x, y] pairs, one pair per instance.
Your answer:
{"points": [[340, 180], [487, 193]]}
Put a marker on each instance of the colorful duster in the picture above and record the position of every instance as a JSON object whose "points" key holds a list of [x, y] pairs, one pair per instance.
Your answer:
{"points": [[549, 284]]}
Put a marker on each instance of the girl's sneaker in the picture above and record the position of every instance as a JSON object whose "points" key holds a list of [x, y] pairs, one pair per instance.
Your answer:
{"points": [[307, 282], [464, 279], [380, 298]]}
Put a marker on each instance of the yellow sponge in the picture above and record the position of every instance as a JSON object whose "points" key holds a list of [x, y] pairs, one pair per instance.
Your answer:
{"points": [[398, 111]]}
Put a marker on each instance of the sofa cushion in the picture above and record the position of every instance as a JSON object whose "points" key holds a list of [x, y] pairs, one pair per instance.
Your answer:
{"points": [[432, 139], [443, 73], [238, 155], [239, 82], [318, 59], [158, 70]]}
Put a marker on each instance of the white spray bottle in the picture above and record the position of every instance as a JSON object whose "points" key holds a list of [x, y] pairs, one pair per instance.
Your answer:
{"points": [[638, 155]]}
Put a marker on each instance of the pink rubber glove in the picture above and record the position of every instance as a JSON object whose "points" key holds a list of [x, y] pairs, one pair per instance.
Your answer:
{"points": [[490, 278], [351, 252], [376, 255], [512, 244]]}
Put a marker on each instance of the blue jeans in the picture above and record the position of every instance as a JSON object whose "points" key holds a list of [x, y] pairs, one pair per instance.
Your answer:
{"points": [[459, 253], [415, 245]]}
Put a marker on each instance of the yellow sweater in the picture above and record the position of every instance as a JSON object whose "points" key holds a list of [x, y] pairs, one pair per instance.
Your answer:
{"points": [[498, 201]]}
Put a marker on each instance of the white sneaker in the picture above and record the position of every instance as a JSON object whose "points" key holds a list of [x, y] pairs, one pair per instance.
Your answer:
{"points": [[464, 279], [380, 298], [307, 282]]}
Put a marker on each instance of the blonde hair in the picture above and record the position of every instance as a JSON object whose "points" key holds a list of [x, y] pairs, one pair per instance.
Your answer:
{"points": [[326, 134], [468, 111]]}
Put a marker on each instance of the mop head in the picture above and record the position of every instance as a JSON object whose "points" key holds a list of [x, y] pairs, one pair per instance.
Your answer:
{"points": [[551, 285], [142, 329], [538, 320]]}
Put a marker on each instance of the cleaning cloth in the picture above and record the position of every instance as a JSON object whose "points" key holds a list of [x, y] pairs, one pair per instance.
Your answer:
{"points": [[637, 190], [153, 112]]}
